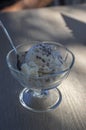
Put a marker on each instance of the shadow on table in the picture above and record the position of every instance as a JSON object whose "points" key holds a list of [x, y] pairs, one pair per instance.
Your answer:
{"points": [[37, 26], [77, 27], [49, 28]]}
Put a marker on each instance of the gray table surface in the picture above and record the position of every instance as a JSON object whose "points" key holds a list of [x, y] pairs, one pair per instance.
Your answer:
{"points": [[66, 25]]}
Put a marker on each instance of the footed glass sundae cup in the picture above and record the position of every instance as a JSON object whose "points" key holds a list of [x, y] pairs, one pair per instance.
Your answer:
{"points": [[41, 93]]}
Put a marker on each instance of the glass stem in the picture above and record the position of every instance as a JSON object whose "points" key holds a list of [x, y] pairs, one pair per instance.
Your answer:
{"points": [[40, 93]]}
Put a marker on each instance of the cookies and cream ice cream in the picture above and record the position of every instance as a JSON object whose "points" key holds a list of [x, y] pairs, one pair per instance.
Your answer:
{"points": [[44, 56], [42, 65], [41, 59]]}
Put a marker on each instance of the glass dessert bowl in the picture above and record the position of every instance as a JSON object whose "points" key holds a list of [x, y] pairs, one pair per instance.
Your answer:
{"points": [[40, 67]]}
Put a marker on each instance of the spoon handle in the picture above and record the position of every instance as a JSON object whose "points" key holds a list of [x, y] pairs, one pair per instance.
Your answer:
{"points": [[8, 36]]}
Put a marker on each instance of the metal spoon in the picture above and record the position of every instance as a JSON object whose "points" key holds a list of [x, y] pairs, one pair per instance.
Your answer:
{"points": [[8, 36]]}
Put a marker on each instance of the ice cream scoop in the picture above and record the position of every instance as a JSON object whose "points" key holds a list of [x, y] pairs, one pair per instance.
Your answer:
{"points": [[41, 59]]}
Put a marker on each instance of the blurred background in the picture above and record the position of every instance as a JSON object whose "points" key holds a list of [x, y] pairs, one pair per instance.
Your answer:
{"points": [[14, 5]]}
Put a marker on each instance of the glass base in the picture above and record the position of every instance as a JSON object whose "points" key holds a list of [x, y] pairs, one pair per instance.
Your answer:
{"points": [[40, 100]]}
